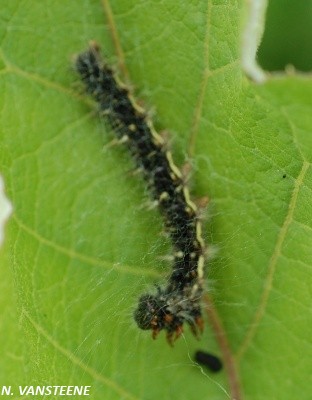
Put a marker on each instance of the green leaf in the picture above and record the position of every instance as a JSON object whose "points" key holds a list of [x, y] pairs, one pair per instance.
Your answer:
{"points": [[81, 245]]}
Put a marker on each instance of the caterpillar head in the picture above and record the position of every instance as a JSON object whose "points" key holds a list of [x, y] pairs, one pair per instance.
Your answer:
{"points": [[149, 313], [152, 313]]}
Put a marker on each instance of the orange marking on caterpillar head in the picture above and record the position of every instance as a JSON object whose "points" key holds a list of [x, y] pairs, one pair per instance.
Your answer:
{"points": [[168, 318], [178, 332], [155, 332]]}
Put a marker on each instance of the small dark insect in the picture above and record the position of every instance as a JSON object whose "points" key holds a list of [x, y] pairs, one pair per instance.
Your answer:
{"points": [[208, 360]]}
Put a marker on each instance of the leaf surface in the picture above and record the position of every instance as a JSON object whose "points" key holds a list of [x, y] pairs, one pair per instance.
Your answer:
{"points": [[81, 245]]}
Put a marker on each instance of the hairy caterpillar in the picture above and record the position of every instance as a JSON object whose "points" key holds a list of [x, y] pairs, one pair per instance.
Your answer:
{"points": [[179, 300]]}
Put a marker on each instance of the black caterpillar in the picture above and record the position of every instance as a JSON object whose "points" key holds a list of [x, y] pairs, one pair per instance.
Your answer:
{"points": [[179, 300]]}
